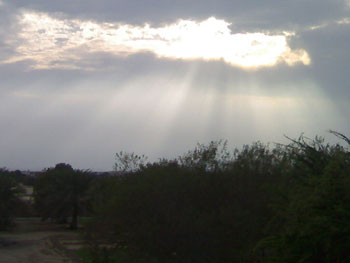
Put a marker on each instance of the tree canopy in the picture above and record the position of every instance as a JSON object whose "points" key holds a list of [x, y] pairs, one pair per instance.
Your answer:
{"points": [[62, 192]]}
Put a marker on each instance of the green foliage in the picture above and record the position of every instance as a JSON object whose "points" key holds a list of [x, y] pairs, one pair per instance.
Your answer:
{"points": [[61, 192], [9, 201], [312, 224]]}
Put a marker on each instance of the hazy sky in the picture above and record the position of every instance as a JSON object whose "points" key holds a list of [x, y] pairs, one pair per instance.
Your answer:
{"points": [[82, 80]]}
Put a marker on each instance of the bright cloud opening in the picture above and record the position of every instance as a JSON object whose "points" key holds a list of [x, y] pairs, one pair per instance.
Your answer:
{"points": [[63, 43], [344, 21]]}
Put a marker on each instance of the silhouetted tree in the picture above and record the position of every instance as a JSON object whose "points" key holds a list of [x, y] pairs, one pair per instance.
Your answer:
{"points": [[211, 157], [287, 203], [204, 207], [61, 192], [9, 201], [312, 222], [129, 162]]}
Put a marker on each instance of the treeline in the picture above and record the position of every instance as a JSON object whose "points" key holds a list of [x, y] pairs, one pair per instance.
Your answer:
{"points": [[281, 203], [9, 201]]}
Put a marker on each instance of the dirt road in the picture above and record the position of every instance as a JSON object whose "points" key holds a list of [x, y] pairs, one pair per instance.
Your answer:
{"points": [[33, 241]]}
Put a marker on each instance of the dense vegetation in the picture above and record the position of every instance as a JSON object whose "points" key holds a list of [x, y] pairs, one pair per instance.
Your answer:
{"points": [[288, 203], [282, 203], [62, 192], [9, 201]]}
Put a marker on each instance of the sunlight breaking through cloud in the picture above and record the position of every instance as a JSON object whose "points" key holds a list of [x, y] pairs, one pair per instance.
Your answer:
{"points": [[344, 21], [62, 43]]}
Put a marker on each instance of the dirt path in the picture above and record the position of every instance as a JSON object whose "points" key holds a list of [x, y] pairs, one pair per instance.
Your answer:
{"points": [[35, 242]]}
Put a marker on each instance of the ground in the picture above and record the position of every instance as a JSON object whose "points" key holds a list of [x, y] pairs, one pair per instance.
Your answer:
{"points": [[33, 241]]}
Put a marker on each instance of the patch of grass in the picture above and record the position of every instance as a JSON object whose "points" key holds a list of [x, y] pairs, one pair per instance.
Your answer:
{"points": [[84, 255]]}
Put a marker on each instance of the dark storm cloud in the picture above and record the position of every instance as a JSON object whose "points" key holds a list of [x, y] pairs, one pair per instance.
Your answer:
{"points": [[246, 15]]}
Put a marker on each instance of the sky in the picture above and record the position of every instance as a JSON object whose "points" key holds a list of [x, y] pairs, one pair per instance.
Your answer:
{"points": [[83, 80]]}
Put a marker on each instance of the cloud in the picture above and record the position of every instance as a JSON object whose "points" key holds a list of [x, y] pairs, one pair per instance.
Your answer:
{"points": [[329, 50], [248, 15], [345, 21], [141, 94], [63, 43]]}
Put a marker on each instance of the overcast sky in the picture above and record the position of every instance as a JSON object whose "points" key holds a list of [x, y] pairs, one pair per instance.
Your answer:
{"points": [[82, 80]]}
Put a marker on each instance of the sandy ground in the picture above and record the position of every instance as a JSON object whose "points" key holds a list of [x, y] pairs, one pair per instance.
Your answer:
{"points": [[33, 241]]}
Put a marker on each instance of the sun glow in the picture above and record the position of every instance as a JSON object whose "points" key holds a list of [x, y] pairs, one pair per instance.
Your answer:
{"points": [[62, 43]]}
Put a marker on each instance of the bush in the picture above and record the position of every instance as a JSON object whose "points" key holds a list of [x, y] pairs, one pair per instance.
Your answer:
{"points": [[290, 203], [312, 225], [9, 200], [186, 212]]}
